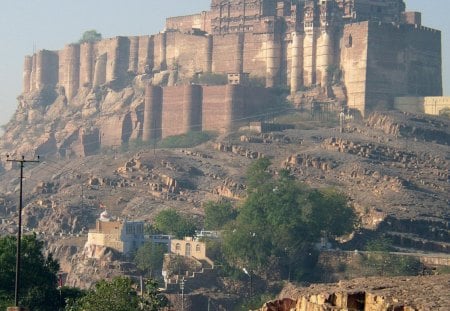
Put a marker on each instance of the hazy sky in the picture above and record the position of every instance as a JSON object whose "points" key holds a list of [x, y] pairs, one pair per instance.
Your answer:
{"points": [[50, 24]]}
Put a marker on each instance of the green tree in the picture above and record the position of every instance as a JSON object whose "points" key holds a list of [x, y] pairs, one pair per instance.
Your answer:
{"points": [[152, 300], [38, 275], [119, 295], [218, 214], [149, 258], [90, 36], [171, 222], [329, 213], [281, 219], [116, 295]]}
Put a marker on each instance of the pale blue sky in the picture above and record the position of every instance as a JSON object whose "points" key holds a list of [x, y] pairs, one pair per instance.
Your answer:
{"points": [[50, 24]]}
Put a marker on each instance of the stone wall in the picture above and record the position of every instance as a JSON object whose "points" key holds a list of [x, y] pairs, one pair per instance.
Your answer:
{"points": [[402, 60], [428, 105], [177, 110], [382, 51], [181, 110], [188, 53], [381, 61], [354, 51], [201, 21]]}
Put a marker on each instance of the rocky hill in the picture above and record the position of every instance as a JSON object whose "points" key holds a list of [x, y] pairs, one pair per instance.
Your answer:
{"points": [[394, 167]]}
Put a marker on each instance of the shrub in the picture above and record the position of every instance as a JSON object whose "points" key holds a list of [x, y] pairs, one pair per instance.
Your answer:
{"points": [[187, 140]]}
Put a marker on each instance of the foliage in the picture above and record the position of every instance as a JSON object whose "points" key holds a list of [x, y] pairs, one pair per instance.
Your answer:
{"points": [[218, 214], [149, 258], [379, 260], [281, 219], [70, 294], [152, 299], [380, 244], [211, 79], [119, 295], [188, 140], [90, 36], [38, 275], [255, 302], [387, 264], [171, 222]]}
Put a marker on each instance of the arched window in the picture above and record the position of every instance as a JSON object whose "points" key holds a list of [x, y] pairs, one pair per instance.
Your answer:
{"points": [[177, 247], [197, 248]]}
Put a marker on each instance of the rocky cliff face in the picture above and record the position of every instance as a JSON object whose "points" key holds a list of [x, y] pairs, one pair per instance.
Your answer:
{"points": [[382, 294], [47, 123]]}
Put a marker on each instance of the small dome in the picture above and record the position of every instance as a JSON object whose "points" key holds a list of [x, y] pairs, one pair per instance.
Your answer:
{"points": [[104, 216]]}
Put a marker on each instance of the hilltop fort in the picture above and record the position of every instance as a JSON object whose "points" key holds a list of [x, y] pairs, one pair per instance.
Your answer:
{"points": [[360, 53], [382, 50]]}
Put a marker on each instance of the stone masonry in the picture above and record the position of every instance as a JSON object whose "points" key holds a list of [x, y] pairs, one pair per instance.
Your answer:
{"points": [[380, 50]]}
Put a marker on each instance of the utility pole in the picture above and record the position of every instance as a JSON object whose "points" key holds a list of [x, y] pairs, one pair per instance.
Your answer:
{"points": [[22, 161], [182, 294]]}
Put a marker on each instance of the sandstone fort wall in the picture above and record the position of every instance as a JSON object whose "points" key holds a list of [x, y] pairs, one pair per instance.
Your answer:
{"points": [[428, 105], [354, 44], [201, 21], [284, 43], [402, 60], [189, 53]]}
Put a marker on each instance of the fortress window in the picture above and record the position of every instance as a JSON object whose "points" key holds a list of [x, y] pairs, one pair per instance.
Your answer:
{"points": [[349, 41], [177, 247], [197, 248]]}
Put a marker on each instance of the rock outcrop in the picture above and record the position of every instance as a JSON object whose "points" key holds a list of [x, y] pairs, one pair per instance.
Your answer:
{"points": [[382, 294]]}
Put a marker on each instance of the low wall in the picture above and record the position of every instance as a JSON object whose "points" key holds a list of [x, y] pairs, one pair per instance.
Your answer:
{"points": [[427, 105]]}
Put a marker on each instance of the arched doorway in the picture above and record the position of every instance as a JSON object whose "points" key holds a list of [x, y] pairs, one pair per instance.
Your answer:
{"points": [[188, 250]]}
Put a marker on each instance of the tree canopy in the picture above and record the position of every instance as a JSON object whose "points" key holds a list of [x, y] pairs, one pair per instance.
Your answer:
{"points": [[171, 222], [90, 36], [218, 214], [119, 295], [149, 258], [281, 218], [38, 275]]}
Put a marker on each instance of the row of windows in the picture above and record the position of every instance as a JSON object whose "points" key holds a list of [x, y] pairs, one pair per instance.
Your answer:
{"points": [[178, 247]]}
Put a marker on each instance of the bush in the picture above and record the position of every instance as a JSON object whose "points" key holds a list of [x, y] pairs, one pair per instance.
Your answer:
{"points": [[90, 36], [187, 140]]}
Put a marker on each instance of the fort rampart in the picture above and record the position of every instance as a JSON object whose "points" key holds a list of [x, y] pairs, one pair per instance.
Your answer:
{"points": [[299, 45]]}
